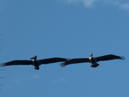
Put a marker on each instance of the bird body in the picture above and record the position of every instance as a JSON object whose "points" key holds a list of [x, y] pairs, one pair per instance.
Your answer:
{"points": [[34, 62], [92, 60]]}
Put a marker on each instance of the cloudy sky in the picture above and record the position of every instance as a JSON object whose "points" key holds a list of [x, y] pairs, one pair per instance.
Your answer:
{"points": [[90, 3], [68, 29]]}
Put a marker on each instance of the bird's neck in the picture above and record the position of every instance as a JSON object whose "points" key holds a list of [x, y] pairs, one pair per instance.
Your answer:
{"points": [[90, 56], [34, 59]]}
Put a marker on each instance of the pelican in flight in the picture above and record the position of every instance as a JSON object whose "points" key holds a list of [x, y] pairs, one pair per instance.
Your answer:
{"points": [[92, 60], [34, 62]]}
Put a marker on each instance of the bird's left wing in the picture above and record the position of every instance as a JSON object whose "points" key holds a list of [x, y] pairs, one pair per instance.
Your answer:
{"points": [[17, 62], [108, 57], [52, 60]]}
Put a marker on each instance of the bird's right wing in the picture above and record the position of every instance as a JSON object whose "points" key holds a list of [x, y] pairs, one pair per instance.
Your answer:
{"points": [[52, 60], [17, 62], [75, 60], [108, 57]]}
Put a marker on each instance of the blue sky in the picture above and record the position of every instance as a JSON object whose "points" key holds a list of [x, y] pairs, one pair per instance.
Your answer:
{"points": [[68, 29]]}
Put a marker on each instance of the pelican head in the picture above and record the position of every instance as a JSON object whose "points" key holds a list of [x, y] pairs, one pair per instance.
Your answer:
{"points": [[91, 55], [34, 57]]}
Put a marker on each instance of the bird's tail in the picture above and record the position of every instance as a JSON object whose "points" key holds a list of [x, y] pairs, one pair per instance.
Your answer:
{"points": [[94, 66], [62, 64], [36, 67]]}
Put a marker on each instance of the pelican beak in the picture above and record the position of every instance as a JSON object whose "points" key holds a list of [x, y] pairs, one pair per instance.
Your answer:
{"points": [[34, 57]]}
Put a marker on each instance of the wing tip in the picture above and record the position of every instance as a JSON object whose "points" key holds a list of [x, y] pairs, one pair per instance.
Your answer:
{"points": [[119, 57], [2, 64], [122, 57]]}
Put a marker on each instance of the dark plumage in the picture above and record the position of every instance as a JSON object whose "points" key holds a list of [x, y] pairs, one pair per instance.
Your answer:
{"points": [[92, 60], [34, 62]]}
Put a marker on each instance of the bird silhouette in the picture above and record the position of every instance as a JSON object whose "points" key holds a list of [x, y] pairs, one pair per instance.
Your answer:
{"points": [[92, 60], [34, 62]]}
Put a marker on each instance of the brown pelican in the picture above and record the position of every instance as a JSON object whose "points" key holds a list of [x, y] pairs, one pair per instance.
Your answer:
{"points": [[92, 60], [34, 62]]}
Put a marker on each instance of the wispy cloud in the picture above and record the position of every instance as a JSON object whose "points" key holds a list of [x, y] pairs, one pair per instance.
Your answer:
{"points": [[2, 9], [91, 3], [122, 5], [35, 76], [87, 3], [125, 6], [17, 80], [59, 80], [24, 79]]}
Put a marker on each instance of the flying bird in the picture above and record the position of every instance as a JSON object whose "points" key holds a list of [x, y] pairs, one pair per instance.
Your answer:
{"points": [[92, 60], [34, 62]]}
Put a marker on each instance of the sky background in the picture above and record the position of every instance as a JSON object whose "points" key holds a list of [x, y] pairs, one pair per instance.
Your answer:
{"points": [[68, 29]]}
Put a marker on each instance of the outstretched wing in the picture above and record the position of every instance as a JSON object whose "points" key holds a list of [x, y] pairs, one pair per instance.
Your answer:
{"points": [[108, 57], [75, 60], [52, 60], [18, 62]]}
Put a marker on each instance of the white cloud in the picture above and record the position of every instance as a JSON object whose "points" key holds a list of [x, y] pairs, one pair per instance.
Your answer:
{"points": [[90, 3]]}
